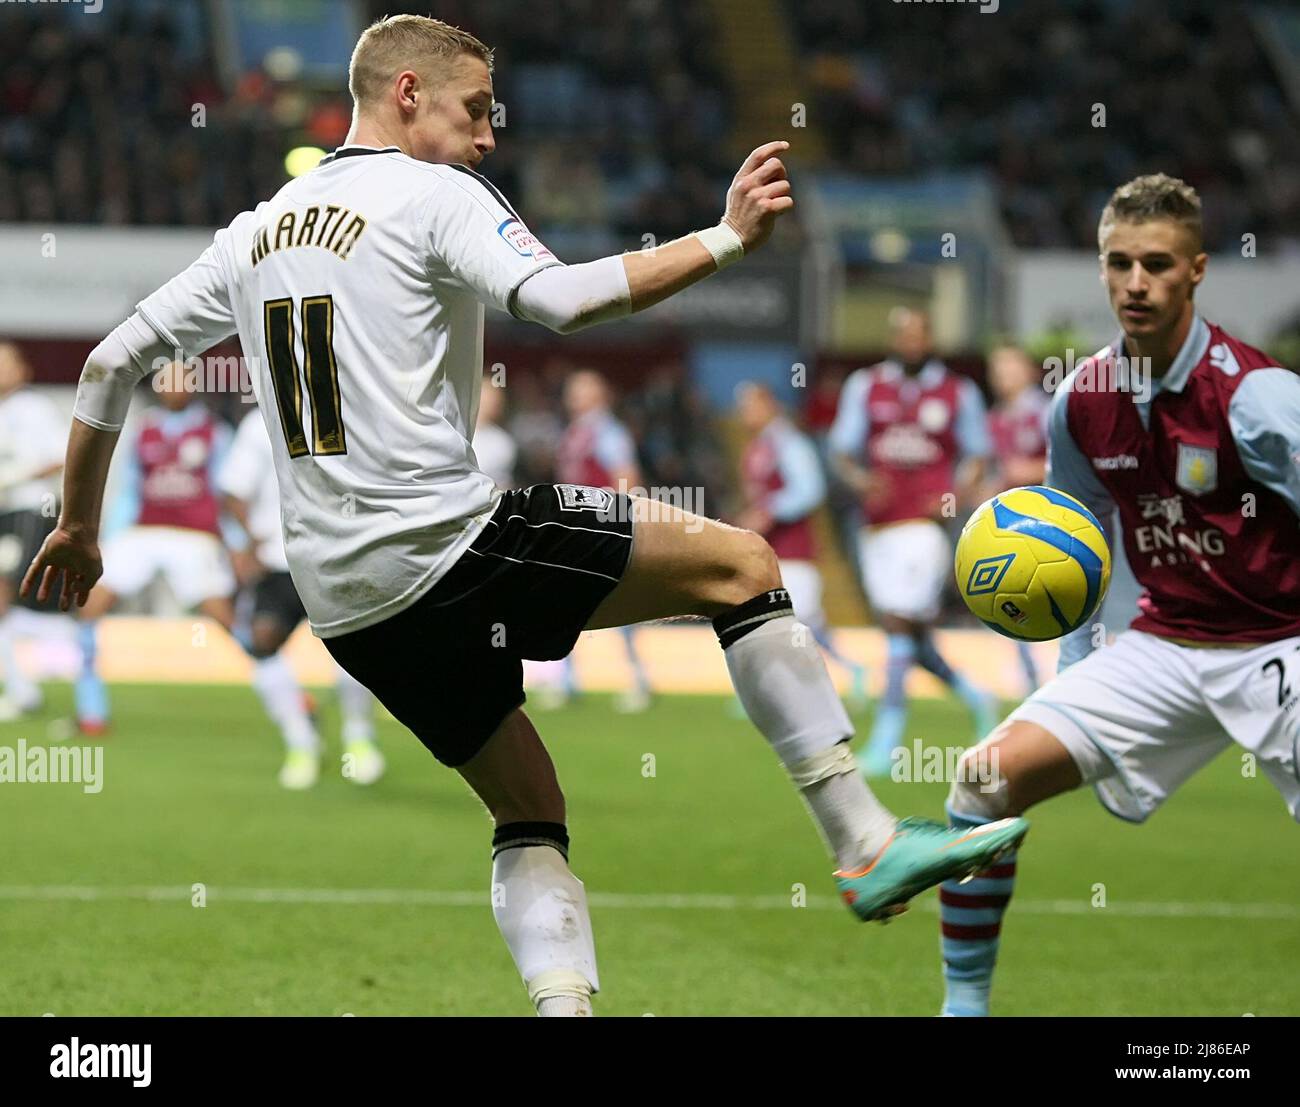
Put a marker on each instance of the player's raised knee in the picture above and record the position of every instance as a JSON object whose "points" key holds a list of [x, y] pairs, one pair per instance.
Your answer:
{"points": [[750, 568]]}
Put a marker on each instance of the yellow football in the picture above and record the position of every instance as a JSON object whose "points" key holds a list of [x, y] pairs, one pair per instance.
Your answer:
{"points": [[1032, 563]]}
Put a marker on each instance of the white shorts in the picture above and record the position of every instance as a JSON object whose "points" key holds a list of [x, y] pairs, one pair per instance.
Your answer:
{"points": [[804, 583], [904, 567], [1140, 716], [193, 563]]}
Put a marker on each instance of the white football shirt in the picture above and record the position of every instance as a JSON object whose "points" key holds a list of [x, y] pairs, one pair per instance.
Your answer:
{"points": [[248, 474], [357, 292], [33, 436], [496, 452]]}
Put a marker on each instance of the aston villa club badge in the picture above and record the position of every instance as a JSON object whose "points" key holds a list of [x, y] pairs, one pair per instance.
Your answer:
{"points": [[1198, 469]]}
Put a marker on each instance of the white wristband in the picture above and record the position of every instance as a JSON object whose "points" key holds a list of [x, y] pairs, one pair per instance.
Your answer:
{"points": [[723, 243]]}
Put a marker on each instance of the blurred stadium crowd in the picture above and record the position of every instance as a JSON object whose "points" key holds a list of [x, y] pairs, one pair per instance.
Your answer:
{"points": [[1186, 88], [615, 116], [618, 114]]}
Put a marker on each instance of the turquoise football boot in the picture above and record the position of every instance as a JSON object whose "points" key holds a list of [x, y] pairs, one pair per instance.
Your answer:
{"points": [[920, 854]]}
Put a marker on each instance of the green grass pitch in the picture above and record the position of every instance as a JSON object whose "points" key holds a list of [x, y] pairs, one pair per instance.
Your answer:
{"points": [[374, 902]]}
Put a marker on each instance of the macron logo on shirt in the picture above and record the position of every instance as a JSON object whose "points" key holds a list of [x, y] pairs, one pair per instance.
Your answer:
{"points": [[1223, 359], [521, 240], [1119, 461]]}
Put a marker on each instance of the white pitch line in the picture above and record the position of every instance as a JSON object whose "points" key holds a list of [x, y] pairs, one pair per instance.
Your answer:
{"points": [[416, 897]]}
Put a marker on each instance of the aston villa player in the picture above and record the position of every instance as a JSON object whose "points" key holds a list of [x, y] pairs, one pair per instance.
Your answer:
{"points": [[782, 483], [598, 451], [908, 433], [1195, 437]]}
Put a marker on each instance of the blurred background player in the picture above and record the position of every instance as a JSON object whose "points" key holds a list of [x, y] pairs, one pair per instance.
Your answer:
{"points": [[551, 683], [252, 496], [33, 437], [908, 433], [596, 449], [1018, 429], [493, 445], [782, 484], [166, 522]]}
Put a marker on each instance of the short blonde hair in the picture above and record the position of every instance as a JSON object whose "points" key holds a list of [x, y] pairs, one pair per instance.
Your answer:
{"points": [[399, 42], [1157, 196]]}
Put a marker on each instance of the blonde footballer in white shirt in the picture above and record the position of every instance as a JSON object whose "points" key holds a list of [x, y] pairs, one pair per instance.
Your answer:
{"points": [[358, 292]]}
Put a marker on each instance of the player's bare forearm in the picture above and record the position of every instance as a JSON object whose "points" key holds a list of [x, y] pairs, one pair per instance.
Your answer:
{"points": [[85, 472], [70, 554], [654, 275]]}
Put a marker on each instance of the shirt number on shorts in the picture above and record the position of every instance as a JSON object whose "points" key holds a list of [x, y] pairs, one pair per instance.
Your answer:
{"points": [[322, 375], [1283, 687]]}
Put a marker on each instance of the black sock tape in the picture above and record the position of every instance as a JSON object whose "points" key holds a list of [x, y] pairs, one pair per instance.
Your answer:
{"points": [[731, 626], [516, 835]]}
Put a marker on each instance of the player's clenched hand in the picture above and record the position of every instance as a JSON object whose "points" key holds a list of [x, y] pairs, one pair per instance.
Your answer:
{"points": [[64, 554], [758, 194]]}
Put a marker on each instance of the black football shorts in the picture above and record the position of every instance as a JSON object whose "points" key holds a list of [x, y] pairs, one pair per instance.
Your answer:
{"points": [[275, 597], [450, 666]]}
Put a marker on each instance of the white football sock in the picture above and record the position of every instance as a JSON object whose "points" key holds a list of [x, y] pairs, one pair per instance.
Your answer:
{"points": [[14, 683], [541, 910], [357, 705], [781, 679], [854, 823], [282, 696], [564, 1006]]}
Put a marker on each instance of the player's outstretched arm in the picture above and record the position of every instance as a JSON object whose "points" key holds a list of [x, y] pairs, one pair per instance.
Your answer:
{"points": [[568, 298], [70, 553]]}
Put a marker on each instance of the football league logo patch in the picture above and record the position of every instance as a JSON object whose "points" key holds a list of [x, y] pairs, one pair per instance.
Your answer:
{"points": [[583, 497], [521, 240], [1198, 469]]}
